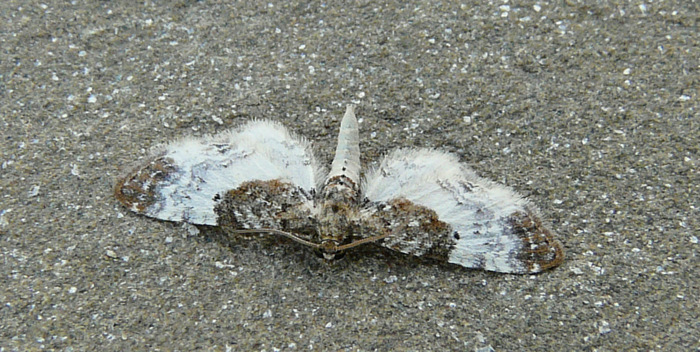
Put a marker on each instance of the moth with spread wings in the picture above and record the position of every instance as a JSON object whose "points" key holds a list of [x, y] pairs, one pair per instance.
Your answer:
{"points": [[261, 178]]}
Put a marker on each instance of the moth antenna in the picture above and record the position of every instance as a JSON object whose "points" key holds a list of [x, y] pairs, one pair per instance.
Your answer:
{"points": [[289, 235], [363, 241]]}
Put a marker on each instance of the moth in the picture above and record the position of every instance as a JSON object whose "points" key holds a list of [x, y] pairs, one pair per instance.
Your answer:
{"points": [[260, 178]]}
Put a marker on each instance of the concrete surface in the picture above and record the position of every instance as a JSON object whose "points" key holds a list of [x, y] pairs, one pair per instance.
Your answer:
{"points": [[591, 110]]}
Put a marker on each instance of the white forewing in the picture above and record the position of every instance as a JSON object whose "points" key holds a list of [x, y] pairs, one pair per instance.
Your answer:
{"points": [[475, 208], [181, 181]]}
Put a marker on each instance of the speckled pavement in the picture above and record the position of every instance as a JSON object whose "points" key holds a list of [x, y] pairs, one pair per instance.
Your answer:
{"points": [[591, 110]]}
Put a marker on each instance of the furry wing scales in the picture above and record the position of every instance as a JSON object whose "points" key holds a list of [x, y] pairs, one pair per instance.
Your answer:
{"points": [[181, 179], [436, 206]]}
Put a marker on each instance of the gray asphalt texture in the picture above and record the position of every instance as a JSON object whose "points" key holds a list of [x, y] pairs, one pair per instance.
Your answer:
{"points": [[590, 110]]}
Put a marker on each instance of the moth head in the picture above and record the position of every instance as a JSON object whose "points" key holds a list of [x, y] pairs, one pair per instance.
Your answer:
{"points": [[329, 250]]}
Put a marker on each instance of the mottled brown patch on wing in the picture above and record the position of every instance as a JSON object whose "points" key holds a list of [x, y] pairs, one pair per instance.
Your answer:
{"points": [[415, 229], [137, 191], [266, 204], [540, 250]]}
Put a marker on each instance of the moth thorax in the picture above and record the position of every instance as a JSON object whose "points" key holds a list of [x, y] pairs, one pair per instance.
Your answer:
{"points": [[337, 212], [340, 188]]}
